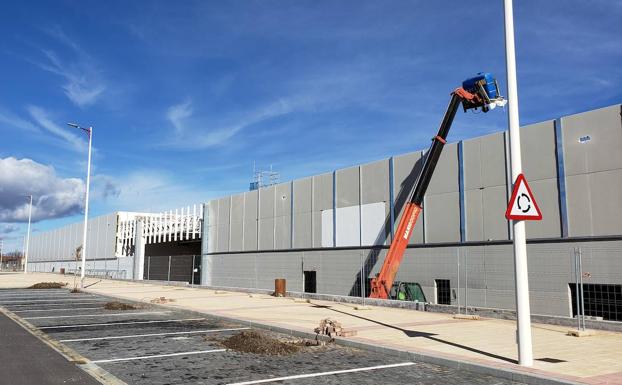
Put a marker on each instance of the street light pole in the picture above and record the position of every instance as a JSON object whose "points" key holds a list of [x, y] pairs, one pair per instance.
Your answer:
{"points": [[523, 312], [89, 131], [27, 236]]}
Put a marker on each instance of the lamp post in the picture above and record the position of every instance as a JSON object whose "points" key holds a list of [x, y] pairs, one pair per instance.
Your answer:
{"points": [[523, 312], [27, 235], [89, 131]]}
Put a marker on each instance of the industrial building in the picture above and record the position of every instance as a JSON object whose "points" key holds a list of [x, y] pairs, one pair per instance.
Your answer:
{"points": [[111, 243], [329, 233]]}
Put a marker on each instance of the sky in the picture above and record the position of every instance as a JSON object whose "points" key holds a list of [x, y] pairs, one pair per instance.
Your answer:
{"points": [[184, 97]]}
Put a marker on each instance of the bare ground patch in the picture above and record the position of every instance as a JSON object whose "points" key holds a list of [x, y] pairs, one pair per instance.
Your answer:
{"points": [[256, 342], [115, 305], [48, 285]]}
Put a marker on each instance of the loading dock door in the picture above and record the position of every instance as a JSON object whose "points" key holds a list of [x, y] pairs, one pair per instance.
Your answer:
{"points": [[310, 282]]}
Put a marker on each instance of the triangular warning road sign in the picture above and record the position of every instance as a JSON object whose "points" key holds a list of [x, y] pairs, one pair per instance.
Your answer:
{"points": [[523, 204]]}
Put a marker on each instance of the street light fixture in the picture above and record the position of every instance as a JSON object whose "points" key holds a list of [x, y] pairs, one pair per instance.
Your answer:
{"points": [[89, 131], [27, 236]]}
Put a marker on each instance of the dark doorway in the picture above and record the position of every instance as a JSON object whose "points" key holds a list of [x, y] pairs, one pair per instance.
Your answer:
{"points": [[443, 292], [310, 282]]}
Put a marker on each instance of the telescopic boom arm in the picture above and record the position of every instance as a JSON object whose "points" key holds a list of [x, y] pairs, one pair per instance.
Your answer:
{"points": [[478, 92]]}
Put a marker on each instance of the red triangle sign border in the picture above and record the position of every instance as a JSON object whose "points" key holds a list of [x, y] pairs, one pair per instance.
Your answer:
{"points": [[521, 179]]}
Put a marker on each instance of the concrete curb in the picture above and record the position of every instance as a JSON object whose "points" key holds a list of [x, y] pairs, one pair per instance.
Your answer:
{"points": [[505, 373]]}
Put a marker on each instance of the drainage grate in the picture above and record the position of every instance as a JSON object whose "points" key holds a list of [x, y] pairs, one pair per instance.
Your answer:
{"points": [[550, 360]]}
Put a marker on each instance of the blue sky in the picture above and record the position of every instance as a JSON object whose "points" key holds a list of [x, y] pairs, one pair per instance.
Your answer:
{"points": [[185, 96]]}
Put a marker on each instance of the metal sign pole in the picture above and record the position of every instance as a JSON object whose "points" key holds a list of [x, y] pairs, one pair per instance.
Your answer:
{"points": [[523, 312]]}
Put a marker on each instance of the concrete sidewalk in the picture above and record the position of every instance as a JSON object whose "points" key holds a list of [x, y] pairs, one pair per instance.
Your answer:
{"points": [[490, 342]]}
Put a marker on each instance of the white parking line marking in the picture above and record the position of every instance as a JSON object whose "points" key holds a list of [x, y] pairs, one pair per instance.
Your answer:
{"points": [[120, 323], [159, 356], [57, 304], [98, 315], [322, 373], [67, 309], [152, 335], [69, 300]]}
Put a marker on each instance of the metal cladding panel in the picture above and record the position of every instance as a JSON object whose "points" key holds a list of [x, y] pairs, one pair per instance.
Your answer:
{"points": [[283, 199], [605, 188], [237, 223], [538, 151], [593, 203], [316, 225], [592, 141], [250, 220], [282, 232], [474, 219], [302, 195], [442, 218], [322, 192], [223, 226], [302, 230], [375, 188], [495, 203], [406, 169], [547, 196], [484, 162], [322, 200], [375, 182], [266, 234], [348, 187], [282, 265], [211, 214], [445, 178], [266, 202]]}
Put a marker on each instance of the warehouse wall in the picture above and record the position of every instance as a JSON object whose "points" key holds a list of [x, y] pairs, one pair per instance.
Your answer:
{"points": [[60, 244], [487, 271], [326, 222], [465, 202]]}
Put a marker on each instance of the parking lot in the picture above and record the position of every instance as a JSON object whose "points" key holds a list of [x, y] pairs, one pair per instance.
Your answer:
{"points": [[158, 345]]}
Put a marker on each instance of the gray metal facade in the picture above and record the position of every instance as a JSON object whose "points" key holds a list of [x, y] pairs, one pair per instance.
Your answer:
{"points": [[312, 223], [60, 244]]}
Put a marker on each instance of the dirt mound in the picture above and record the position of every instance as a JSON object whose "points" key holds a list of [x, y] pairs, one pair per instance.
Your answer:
{"points": [[48, 285], [251, 341], [119, 306]]}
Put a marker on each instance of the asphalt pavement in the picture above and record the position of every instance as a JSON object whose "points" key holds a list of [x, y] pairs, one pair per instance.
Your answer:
{"points": [[157, 345]]}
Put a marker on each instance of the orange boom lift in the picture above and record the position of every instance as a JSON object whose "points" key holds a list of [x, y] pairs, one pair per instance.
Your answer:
{"points": [[481, 91]]}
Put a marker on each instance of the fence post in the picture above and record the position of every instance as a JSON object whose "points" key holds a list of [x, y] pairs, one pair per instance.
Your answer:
{"points": [[192, 274], [168, 277], [576, 285], [581, 286], [361, 274], [466, 284], [458, 291]]}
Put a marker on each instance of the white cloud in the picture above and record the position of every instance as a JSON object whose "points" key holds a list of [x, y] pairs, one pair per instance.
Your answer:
{"points": [[178, 113], [150, 190], [13, 120], [193, 135], [42, 118], [53, 197], [83, 82]]}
